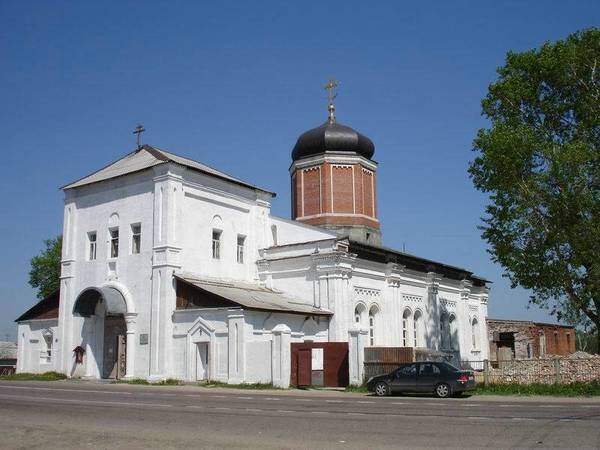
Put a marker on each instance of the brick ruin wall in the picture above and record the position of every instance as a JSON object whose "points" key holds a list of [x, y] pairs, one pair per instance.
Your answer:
{"points": [[547, 371], [559, 340]]}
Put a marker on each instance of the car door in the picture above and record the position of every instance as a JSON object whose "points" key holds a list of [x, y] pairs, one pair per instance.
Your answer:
{"points": [[429, 377], [405, 379]]}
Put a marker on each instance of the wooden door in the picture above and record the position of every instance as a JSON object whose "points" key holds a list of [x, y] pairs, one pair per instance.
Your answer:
{"points": [[304, 367], [114, 346]]}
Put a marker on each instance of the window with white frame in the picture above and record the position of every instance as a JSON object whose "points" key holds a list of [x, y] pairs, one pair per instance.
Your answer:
{"points": [[92, 245], [136, 238], [359, 313], [405, 331], [241, 243], [216, 244], [417, 329], [372, 323], [114, 242]]}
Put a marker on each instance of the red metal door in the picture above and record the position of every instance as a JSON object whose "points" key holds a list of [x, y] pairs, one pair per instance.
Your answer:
{"points": [[304, 367]]}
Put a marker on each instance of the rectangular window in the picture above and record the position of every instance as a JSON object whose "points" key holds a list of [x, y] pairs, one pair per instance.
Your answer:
{"points": [[114, 242], [136, 238], [92, 240], [241, 240], [216, 244]]}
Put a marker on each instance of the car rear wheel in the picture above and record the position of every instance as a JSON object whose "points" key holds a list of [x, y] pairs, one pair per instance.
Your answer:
{"points": [[442, 390], [382, 389]]}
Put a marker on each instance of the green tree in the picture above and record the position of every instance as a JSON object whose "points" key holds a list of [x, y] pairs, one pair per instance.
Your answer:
{"points": [[539, 163], [45, 268]]}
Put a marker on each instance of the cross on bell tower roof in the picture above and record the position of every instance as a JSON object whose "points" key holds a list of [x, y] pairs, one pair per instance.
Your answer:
{"points": [[331, 88], [139, 130]]}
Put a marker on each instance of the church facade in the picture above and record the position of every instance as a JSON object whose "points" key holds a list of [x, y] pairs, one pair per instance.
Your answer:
{"points": [[172, 269]]}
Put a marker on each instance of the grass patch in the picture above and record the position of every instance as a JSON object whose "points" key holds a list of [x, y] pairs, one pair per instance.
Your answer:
{"points": [[254, 386], [360, 389], [132, 381], [46, 376], [142, 381], [591, 389]]}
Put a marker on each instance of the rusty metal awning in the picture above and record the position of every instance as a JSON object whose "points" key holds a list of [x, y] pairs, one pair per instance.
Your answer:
{"points": [[253, 296]]}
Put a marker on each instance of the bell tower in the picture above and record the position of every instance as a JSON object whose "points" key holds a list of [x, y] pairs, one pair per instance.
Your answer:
{"points": [[334, 179]]}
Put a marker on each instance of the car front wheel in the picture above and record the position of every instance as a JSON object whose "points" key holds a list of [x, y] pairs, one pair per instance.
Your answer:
{"points": [[442, 390], [382, 389]]}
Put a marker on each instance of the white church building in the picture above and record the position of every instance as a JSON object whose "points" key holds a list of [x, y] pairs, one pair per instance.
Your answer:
{"points": [[172, 269]]}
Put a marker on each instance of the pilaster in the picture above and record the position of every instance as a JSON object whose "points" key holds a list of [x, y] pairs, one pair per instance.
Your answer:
{"points": [[334, 270], [236, 347], [393, 278], [465, 344], [281, 356], [64, 346], [434, 336], [131, 322], [168, 197], [357, 340]]}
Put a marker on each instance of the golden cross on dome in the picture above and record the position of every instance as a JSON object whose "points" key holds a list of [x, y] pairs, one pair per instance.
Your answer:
{"points": [[331, 88]]}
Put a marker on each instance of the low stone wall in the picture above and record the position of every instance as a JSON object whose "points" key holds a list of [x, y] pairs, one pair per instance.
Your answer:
{"points": [[545, 370]]}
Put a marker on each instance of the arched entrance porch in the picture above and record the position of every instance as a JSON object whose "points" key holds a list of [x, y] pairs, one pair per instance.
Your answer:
{"points": [[108, 328]]}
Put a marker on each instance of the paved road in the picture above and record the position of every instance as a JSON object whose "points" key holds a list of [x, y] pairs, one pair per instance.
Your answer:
{"points": [[89, 415]]}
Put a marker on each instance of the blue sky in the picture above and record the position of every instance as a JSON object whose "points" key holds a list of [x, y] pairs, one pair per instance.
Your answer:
{"points": [[233, 84]]}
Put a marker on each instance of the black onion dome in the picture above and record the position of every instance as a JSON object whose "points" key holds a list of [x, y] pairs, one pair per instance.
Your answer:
{"points": [[332, 136]]}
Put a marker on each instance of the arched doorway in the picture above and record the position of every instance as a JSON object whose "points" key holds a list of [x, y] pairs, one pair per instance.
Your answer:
{"points": [[107, 328]]}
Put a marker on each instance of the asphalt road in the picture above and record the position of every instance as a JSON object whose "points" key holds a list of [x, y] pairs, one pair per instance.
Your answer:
{"points": [[91, 415]]}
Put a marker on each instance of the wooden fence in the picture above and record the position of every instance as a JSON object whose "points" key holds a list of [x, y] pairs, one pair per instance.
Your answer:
{"points": [[382, 360]]}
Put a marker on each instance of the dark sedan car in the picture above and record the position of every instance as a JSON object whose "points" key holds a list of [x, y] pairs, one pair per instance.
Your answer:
{"points": [[439, 378]]}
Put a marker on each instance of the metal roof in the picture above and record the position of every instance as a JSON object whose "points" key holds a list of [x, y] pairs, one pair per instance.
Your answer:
{"points": [[252, 296], [386, 254], [146, 157], [41, 308], [332, 136]]}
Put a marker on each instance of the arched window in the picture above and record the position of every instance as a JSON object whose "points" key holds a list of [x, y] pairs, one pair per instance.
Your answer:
{"points": [[359, 314], [474, 333], [274, 234], [372, 324], [444, 331], [417, 331], [453, 332], [405, 330]]}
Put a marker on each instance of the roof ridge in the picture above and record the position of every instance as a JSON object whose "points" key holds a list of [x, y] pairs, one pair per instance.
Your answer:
{"points": [[101, 168]]}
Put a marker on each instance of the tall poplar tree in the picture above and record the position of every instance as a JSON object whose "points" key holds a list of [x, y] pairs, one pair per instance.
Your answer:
{"points": [[539, 163]]}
